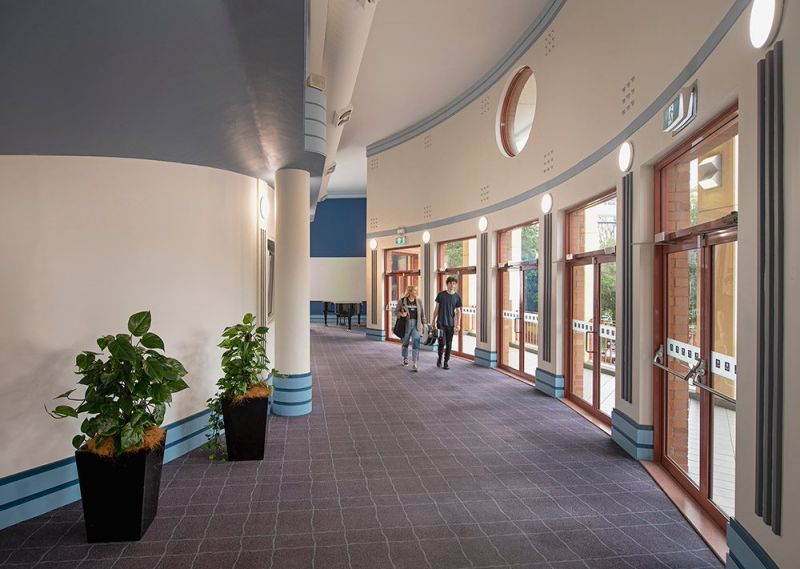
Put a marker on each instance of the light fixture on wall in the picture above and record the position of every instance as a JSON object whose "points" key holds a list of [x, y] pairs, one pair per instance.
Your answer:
{"points": [[547, 203], [625, 157], [426, 237], [373, 244], [765, 19], [483, 223], [263, 207]]}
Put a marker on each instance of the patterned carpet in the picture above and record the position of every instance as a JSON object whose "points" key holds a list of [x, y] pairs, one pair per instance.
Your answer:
{"points": [[443, 469]]}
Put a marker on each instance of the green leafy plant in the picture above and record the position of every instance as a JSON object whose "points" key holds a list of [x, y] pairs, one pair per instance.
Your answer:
{"points": [[126, 393], [245, 366]]}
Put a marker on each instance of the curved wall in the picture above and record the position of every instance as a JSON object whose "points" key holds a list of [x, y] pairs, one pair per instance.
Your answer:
{"points": [[84, 243], [454, 172]]}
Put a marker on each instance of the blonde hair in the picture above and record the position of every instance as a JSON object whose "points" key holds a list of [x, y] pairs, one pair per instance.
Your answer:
{"points": [[409, 288]]}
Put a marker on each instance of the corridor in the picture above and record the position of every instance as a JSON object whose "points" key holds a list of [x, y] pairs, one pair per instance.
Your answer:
{"points": [[441, 469]]}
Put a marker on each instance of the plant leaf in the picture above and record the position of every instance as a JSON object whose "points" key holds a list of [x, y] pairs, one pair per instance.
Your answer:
{"points": [[65, 394], [122, 349], [77, 441], [65, 411], [152, 341], [154, 368], [249, 318], [139, 323]]}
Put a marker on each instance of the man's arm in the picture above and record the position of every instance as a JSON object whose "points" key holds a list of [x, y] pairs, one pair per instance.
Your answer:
{"points": [[435, 314], [457, 320]]}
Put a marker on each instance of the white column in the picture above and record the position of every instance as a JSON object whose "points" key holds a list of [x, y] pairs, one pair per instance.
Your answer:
{"points": [[292, 396]]}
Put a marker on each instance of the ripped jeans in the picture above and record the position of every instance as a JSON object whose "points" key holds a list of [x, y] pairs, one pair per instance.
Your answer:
{"points": [[412, 332]]}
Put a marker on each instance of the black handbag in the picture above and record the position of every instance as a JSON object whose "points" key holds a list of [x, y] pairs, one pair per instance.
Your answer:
{"points": [[399, 329]]}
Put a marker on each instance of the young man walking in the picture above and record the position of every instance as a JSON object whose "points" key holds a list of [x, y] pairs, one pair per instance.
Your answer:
{"points": [[447, 318]]}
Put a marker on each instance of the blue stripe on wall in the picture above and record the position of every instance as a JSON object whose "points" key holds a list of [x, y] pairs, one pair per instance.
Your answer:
{"points": [[340, 228], [39, 490]]}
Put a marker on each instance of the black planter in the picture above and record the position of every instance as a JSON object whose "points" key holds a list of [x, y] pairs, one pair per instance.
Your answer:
{"points": [[245, 427], [119, 494]]}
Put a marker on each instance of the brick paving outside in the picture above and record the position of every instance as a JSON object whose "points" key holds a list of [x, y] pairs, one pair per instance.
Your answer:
{"points": [[464, 468]]}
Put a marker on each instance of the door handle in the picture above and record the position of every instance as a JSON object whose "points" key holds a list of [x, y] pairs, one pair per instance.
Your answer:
{"points": [[516, 325], [586, 341], [696, 375]]}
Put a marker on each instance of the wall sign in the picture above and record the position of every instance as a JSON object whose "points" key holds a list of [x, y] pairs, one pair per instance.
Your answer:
{"points": [[400, 240], [681, 110]]}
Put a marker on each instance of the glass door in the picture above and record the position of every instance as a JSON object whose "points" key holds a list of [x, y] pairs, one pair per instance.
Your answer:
{"points": [[592, 365], [402, 271], [695, 363], [510, 327], [458, 258]]}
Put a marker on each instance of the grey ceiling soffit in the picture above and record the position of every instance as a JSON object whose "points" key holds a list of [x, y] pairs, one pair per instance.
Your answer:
{"points": [[655, 107], [217, 83], [523, 44]]}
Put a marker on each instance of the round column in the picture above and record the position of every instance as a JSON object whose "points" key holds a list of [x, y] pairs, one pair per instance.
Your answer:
{"points": [[292, 395]]}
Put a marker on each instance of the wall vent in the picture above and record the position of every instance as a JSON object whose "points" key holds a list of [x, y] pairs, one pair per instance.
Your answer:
{"points": [[628, 98], [485, 105], [549, 161], [427, 141], [549, 42], [484, 193], [373, 223], [427, 212], [374, 163]]}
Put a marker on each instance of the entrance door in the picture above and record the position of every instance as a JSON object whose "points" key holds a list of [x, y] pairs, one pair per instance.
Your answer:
{"points": [[592, 361], [519, 328], [402, 271], [695, 328]]}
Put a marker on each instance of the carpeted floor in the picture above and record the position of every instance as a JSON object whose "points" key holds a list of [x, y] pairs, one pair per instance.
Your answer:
{"points": [[439, 469]]}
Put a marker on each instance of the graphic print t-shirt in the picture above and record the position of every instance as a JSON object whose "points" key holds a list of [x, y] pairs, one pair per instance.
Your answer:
{"points": [[411, 308], [447, 308]]}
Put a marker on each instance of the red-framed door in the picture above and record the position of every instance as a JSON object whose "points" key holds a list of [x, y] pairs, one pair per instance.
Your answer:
{"points": [[518, 325], [694, 336], [395, 285], [465, 341], [591, 332]]}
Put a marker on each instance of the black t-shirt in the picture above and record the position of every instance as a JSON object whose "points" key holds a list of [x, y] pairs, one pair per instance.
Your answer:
{"points": [[447, 308], [411, 308]]}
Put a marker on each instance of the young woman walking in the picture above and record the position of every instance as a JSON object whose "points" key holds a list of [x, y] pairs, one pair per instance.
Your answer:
{"points": [[410, 307]]}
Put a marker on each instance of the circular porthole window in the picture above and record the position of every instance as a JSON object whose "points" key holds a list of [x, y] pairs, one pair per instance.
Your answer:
{"points": [[517, 112]]}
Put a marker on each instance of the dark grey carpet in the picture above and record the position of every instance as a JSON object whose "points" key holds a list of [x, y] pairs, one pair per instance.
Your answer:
{"points": [[440, 469]]}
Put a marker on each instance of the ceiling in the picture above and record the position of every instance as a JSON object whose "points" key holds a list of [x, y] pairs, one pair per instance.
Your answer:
{"points": [[420, 56], [217, 83]]}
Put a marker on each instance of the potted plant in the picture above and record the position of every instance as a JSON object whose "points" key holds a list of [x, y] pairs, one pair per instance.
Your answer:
{"points": [[120, 450], [240, 404]]}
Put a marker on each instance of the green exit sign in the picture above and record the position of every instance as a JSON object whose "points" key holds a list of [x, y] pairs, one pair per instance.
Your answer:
{"points": [[400, 240], [672, 114], [681, 110]]}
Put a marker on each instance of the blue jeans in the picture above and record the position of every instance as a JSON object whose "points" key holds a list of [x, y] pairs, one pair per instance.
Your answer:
{"points": [[411, 333]]}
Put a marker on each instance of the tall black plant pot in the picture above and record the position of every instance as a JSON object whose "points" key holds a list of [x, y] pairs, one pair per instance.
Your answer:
{"points": [[119, 494], [245, 427]]}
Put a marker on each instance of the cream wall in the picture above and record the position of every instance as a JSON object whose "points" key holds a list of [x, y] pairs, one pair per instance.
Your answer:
{"points": [[84, 243], [600, 46]]}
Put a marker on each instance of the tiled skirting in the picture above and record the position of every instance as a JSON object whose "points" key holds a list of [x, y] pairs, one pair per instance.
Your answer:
{"points": [[745, 552], [635, 439], [550, 384], [485, 358]]}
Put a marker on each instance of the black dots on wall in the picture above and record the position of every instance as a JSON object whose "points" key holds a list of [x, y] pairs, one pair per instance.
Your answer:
{"points": [[485, 106], [427, 211], [427, 141], [548, 161], [484, 193], [628, 95], [372, 222], [549, 42], [374, 162]]}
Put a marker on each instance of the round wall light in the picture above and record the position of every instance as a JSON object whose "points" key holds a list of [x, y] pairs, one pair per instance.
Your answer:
{"points": [[547, 203], [483, 223], [263, 207], [625, 157], [373, 244], [426, 237], [765, 19]]}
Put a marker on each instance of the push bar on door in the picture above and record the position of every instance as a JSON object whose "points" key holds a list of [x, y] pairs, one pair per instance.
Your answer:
{"points": [[694, 377]]}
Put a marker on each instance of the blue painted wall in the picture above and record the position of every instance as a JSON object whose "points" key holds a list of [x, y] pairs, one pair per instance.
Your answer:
{"points": [[340, 228]]}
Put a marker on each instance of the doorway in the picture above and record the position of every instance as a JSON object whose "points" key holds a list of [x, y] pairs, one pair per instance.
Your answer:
{"points": [[402, 271], [458, 258], [694, 358], [518, 300], [591, 276]]}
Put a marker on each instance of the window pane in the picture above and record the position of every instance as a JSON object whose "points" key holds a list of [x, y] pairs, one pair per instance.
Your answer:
{"points": [[702, 185], [594, 227], [456, 254], [520, 244]]}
